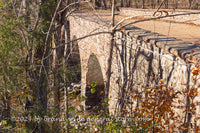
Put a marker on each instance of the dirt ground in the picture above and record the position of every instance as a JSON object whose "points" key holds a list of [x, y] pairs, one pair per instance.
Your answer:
{"points": [[183, 31]]}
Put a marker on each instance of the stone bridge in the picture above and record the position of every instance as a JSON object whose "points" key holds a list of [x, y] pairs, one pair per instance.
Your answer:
{"points": [[141, 59]]}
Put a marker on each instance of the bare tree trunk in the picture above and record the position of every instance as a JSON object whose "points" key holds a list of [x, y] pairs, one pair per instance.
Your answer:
{"points": [[197, 4], [97, 3], [152, 4], [126, 3], [129, 3], [143, 4], [175, 4], [157, 3], [106, 92], [122, 3], [60, 35], [166, 4], [190, 4], [104, 5], [136, 4], [66, 98]]}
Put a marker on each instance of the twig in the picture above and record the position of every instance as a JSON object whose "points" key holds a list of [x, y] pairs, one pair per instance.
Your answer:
{"points": [[159, 7], [52, 20], [72, 5]]}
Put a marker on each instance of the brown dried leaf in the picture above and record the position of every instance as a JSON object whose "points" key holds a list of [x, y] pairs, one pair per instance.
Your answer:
{"points": [[166, 12], [171, 127], [123, 28]]}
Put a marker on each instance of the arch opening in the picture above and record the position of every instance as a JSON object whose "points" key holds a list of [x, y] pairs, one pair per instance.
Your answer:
{"points": [[94, 75]]}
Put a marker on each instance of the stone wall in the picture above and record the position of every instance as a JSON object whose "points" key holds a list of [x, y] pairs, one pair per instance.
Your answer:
{"points": [[144, 60]]}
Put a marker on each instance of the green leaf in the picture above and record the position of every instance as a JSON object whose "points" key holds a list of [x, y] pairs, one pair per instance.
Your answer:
{"points": [[83, 98], [93, 84], [93, 90], [70, 109], [4, 122]]}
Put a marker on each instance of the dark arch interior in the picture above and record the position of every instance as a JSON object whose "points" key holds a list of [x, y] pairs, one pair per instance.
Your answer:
{"points": [[94, 74]]}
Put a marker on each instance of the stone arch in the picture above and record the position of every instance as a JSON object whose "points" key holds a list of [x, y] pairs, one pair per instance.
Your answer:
{"points": [[94, 74]]}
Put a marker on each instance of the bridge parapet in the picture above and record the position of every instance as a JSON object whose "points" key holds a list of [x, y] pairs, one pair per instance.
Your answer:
{"points": [[148, 13]]}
